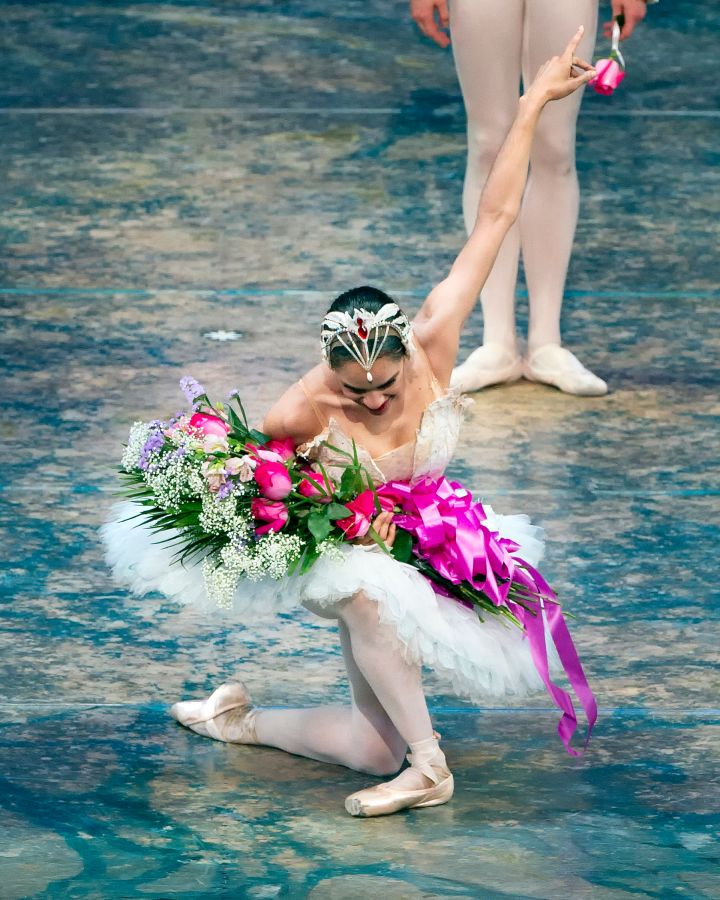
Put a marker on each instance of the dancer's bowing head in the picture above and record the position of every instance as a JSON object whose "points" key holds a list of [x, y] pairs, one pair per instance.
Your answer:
{"points": [[365, 338]]}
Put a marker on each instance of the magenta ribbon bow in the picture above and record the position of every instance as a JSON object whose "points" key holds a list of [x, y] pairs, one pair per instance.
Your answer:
{"points": [[451, 533]]}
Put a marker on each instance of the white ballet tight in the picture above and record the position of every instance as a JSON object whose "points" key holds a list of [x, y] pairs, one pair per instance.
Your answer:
{"points": [[495, 43], [387, 710]]}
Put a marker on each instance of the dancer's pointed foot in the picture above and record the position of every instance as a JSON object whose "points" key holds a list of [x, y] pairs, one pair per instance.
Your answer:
{"points": [[488, 365], [428, 782], [226, 715], [555, 365]]}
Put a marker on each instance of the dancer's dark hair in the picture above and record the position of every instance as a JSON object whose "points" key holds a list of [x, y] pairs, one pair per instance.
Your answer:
{"points": [[371, 299]]}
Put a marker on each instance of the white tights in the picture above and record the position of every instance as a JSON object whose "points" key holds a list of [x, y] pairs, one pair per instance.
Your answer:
{"points": [[387, 710], [495, 43]]}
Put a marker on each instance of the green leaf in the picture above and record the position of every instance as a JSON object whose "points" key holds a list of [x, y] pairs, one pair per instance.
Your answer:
{"points": [[402, 548], [337, 449], [237, 399], [257, 437], [237, 424], [337, 511], [349, 486], [319, 526], [308, 558], [327, 486]]}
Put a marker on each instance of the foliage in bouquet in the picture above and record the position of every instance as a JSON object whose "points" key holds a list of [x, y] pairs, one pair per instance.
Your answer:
{"points": [[249, 506]]}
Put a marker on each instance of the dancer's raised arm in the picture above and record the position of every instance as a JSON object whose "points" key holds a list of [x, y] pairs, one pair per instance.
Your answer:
{"points": [[446, 308]]}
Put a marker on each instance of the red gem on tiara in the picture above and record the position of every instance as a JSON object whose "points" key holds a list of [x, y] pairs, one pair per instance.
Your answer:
{"points": [[362, 330]]}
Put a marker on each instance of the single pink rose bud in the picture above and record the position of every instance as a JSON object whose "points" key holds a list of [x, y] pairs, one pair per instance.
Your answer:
{"points": [[308, 486], [362, 509], [273, 480], [274, 514], [608, 76], [209, 424]]}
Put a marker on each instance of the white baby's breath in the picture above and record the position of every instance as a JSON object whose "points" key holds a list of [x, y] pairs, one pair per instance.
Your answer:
{"points": [[331, 550], [171, 480], [270, 557], [139, 433], [223, 516]]}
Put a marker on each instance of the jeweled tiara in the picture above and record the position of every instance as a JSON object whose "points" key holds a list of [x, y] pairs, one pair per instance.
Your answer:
{"points": [[363, 334]]}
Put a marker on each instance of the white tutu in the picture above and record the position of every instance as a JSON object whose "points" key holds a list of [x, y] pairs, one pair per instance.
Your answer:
{"points": [[478, 659]]}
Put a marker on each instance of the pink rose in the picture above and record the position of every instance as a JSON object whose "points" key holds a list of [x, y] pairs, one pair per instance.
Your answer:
{"points": [[261, 453], [362, 509], [273, 480], [285, 448], [308, 486], [608, 77], [209, 424], [389, 497], [275, 514]]}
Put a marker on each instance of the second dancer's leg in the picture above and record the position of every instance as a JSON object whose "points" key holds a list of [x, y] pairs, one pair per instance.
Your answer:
{"points": [[487, 46], [550, 207]]}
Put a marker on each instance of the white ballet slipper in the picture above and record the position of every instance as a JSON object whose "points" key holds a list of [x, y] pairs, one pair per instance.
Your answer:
{"points": [[490, 364], [226, 715], [555, 365]]}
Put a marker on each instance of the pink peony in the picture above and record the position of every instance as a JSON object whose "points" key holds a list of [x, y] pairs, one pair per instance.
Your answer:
{"points": [[209, 424], [608, 77], [285, 448], [362, 509], [308, 486], [275, 514], [273, 480]]}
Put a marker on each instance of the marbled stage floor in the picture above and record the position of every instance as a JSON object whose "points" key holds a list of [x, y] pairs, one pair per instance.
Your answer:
{"points": [[178, 169]]}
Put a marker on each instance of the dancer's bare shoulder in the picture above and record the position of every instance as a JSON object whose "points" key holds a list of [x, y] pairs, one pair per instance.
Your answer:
{"points": [[293, 416]]}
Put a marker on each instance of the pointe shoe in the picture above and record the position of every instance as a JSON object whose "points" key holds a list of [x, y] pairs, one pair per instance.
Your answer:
{"points": [[383, 800], [488, 365], [557, 366], [232, 702]]}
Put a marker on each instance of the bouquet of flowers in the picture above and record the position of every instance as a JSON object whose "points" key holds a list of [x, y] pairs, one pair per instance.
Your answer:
{"points": [[251, 507]]}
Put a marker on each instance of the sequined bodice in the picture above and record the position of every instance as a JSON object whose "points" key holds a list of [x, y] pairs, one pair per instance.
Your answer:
{"points": [[428, 455]]}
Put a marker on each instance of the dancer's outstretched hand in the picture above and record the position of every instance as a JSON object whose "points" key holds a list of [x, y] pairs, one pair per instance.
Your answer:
{"points": [[563, 74]]}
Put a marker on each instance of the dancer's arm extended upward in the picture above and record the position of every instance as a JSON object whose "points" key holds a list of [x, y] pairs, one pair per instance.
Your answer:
{"points": [[446, 308]]}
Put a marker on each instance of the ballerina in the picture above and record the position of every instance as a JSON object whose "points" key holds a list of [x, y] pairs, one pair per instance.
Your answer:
{"points": [[382, 385]]}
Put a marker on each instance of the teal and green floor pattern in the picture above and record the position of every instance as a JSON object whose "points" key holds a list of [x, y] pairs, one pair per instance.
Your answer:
{"points": [[184, 172]]}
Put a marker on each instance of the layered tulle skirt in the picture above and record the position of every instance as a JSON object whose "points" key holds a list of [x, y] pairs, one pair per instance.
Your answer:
{"points": [[476, 659]]}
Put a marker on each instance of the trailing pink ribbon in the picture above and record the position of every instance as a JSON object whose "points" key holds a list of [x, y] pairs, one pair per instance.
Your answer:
{"points": [[450, 532]]}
